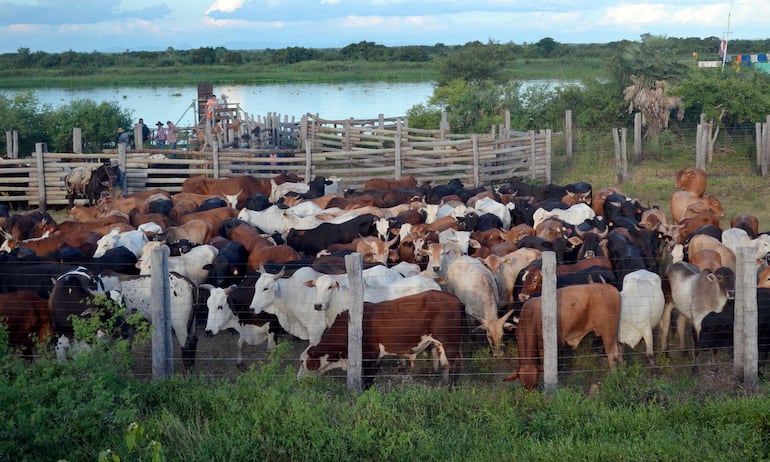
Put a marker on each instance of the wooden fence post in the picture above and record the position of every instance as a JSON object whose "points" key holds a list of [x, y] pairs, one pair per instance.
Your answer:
{"points": [[444, 128], [548, 149], [638, 137], [77, 140], [138, 140], [41, 176], [122, 160], [700, 154], [15, 154], [476, 161], [624, 152], [532, 155], [308, 160], [162, 349], [9, 143], [618, 161], [215, 156], [758, 143], [568, 132], [765, 147], [397, 150], [745, 347], [549, 316], [354, 266]]}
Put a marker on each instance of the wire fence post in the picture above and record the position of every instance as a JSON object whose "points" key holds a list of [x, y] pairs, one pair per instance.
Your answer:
{"points": [[548, 313], [354, 265], [162, 348]]}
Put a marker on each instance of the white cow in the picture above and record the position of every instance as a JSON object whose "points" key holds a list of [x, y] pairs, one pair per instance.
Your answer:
{"points": [[461, 238], [469, 280], [733, 238], [251, 329], [641, 309], [574, 215], [136, 292], [334, 294], [132, 240], [191, 264], [502, 211], [291, 300]]}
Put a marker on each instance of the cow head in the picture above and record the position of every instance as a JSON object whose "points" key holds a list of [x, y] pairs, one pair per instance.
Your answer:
{"points": [[265, 289], [219, 312], [325, 288]]}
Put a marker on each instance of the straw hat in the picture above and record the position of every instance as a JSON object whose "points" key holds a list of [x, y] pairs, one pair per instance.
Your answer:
{"points": [[120, 130]]}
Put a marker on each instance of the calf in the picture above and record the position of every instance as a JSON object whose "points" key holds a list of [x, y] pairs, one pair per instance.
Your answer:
{"points": [[253, 329], [27, 319]]}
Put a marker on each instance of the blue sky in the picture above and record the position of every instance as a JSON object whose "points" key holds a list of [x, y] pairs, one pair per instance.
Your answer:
{"points": [[116, 25]]}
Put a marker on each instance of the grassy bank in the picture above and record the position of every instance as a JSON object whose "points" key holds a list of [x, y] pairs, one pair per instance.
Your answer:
{"points": [[305, 72], [72, 412]]}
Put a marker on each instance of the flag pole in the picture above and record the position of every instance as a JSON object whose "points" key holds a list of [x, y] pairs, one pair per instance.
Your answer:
{"points": [[723, 45]]}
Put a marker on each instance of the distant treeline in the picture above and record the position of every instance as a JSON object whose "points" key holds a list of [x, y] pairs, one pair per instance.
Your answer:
{"points": [[547, 47]]}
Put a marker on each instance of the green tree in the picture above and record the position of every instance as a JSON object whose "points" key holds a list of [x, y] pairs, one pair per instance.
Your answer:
{"points": [[24, 114], [474, 62], [98, 123], [546, 47], [728, 99], [203, 55]]}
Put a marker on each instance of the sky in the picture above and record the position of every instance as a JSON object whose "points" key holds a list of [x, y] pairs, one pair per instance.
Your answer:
{"points": [[117, 25]]}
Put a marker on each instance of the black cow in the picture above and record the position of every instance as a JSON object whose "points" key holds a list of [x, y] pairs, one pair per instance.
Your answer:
{"points": [[211, 203], [312, 241], [717, 328], [257, 202], [229, 266]]}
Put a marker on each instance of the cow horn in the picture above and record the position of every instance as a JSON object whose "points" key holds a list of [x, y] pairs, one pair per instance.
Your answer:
{"points": [[507, 315]]}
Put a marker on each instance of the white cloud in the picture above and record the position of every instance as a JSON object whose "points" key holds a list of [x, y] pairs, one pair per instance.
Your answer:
{"points": [[226, 6]]}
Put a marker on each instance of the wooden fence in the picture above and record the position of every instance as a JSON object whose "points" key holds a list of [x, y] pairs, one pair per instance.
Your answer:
{"points": [[395, 151]]}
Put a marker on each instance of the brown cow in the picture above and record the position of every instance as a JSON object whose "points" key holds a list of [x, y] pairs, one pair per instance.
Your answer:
{"points": [[702, 241], [597, 201], [748, 223], [532, 276], [214, 217], [706, 259], [382, 184], [243, 185], [689, 225], [196, 231], [403, 327], [27, 318], [84, 239], [684, 204], [692, 180], [274, 253], [580, 309]]}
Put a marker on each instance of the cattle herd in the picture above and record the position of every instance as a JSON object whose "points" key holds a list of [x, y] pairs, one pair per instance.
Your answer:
{"points": [[442, 264]]}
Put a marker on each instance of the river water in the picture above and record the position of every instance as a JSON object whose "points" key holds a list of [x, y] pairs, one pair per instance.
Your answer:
{"points": [[329, 101]]}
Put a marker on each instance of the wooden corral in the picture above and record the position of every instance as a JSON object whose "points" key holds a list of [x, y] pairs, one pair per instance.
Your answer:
{"points": [[354, 152]]}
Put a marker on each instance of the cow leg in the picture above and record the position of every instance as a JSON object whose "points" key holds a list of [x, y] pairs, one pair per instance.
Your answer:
{"points": [[695, 351], [239, 361], [647, 337], [681, 324], [665, 324], [188, 351]]}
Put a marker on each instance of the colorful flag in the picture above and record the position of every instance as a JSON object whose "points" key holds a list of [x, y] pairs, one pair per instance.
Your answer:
{"points": [[722, 48]]}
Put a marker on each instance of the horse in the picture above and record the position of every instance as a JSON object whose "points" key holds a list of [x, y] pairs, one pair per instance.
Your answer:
{"points": [[90, 183]]}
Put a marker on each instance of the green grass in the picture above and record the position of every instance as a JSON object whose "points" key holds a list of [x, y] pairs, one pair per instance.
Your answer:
{"points": [[303, 72]]}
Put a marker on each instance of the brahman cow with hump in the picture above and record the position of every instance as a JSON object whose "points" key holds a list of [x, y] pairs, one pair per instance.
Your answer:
{"points": [[580, 309], [404, 327], [695, 293], [474, 284]]}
